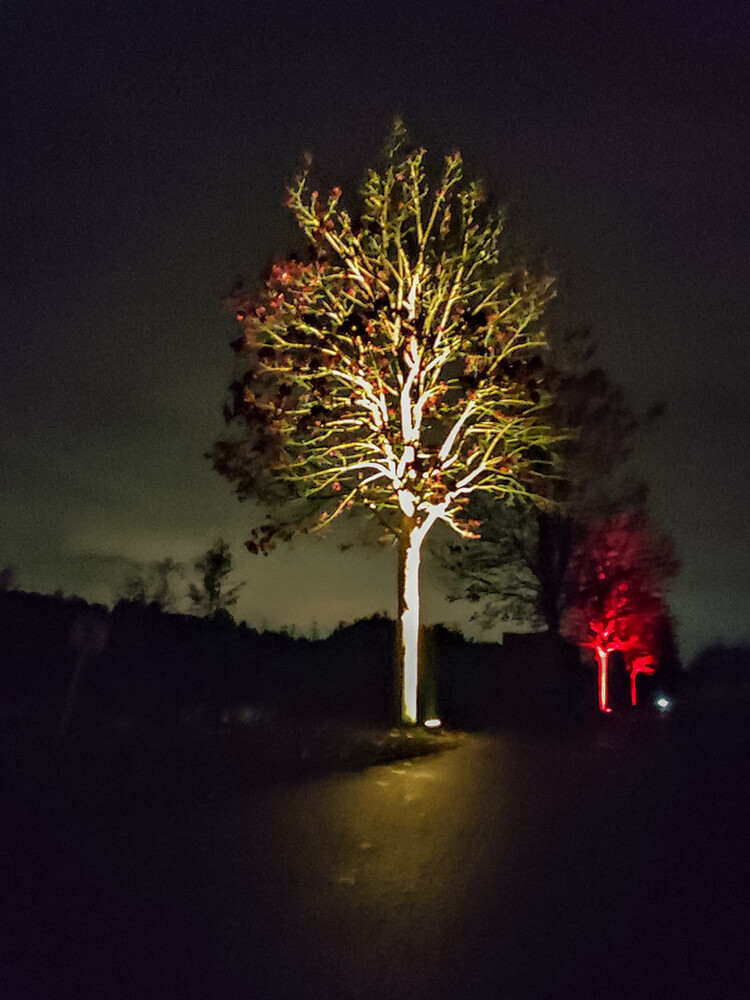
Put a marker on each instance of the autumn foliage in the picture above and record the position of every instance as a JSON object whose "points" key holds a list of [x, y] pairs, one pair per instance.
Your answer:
{"points": [[398, 365]]}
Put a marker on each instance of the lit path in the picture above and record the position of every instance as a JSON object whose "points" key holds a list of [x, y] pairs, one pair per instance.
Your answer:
{"points": [[414, 879], [512, 867]]}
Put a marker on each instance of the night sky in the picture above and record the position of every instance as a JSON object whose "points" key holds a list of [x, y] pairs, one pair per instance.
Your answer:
{"points": [[143, 158]]}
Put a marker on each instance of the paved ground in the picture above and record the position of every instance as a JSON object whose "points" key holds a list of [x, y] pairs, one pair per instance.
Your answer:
{"points": [[611, 864]]}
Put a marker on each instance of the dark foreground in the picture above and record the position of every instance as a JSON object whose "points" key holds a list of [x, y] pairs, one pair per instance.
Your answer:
{"points": [[610, 863]]}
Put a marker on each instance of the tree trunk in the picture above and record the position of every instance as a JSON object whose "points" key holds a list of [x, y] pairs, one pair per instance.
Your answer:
{"points": [[602, 658], [554, 544], [407, 650]]}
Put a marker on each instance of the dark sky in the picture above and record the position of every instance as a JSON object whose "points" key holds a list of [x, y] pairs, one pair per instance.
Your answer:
{"points": [[143, 156]]}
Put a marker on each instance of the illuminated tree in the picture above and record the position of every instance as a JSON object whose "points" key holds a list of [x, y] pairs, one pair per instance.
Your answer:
{"points": [[615, 594], [400, 366]]}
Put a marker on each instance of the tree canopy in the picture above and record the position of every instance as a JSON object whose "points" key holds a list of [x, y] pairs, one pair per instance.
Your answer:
{"points": [[615, 590]]}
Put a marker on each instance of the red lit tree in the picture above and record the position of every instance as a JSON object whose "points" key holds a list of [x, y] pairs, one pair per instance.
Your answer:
{"points": [[615, 588], [400, 367]]}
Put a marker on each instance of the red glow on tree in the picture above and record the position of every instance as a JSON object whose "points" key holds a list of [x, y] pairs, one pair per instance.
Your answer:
{"points": [[645, 663], [615, 595]]}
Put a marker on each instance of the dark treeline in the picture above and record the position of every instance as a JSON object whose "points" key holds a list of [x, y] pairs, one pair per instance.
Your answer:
{"points": [[160, 668], [154, 665], [721, 667]]}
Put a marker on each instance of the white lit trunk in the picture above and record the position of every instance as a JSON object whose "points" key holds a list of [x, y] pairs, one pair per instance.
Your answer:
{"points": [[602, 658], [409, 557]]}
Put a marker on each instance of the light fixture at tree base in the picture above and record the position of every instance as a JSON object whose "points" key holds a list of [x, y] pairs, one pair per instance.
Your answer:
{"points": [[433, 725]]}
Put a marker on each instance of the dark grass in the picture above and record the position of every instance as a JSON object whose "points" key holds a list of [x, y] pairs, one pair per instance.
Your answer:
{"points": [[114, 771]]}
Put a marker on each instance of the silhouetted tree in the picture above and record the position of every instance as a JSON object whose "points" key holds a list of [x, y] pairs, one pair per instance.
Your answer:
{"points": [[400, 368], [154, 584], [212, 596], [164, 574], [517, 572], [135, 588]]}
